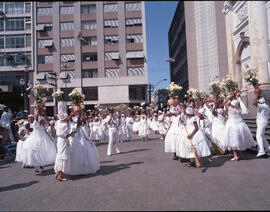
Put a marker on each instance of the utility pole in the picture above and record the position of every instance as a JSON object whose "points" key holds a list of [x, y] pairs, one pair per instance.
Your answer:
{"points": [[53, 82], [150, 90]]}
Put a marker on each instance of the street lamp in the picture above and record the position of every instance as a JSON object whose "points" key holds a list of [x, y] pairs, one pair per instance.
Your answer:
{"points": [[172, 60], [150, 87]]}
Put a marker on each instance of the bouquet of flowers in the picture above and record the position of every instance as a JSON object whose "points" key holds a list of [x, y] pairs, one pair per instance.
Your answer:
{"points": [[190, 92], [174, 90], [215, 88], [230, 84], [58, 95], [129, 109], [39, 94], [151, 106], [97, 106], [136, 108], [250, 76], [205, 94], [76, 96], [142, 104]]}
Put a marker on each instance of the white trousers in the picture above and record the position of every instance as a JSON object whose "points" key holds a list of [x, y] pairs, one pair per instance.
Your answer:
{"points": [[129, 136], [260, 135], [113, 137]]}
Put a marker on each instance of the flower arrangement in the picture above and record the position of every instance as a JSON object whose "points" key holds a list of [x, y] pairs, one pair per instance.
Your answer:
{"points": [[205, 94], [174, 90], [39, 94], [190, 92], [230, 84], [142, 104], [129, 109], [215, 88], [250, 76], [58, 95], [76, 96], [136, 108], [97, 106]]}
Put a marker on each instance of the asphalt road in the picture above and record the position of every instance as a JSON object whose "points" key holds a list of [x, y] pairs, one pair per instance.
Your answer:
{"points": [[142, 177]]}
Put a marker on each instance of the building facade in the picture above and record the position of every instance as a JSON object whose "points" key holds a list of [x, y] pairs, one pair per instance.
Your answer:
{"points": [[16, 50], [178, 49], [97, 47], [206, 46], [160, 99], [248, 41]]}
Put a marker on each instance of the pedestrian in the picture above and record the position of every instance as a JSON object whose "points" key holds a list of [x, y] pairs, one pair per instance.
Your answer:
{"points": [[144, 129], [129, 121], [263, 111]]}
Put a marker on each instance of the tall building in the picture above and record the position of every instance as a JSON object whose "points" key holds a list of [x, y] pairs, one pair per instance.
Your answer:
{"points": [[178, 49], [198, 47], [16, 50], [97, 47], [248, 38]]}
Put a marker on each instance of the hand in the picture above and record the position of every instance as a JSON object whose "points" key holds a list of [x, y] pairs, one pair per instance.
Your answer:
{"points": [[189, 136]]}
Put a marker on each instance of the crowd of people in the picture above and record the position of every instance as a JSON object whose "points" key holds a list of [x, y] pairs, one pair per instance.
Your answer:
{"points": [[191, 131]]}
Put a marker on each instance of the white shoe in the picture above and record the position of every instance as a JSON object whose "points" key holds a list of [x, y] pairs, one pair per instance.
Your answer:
{"points": [[109, 154], [260, 154]]}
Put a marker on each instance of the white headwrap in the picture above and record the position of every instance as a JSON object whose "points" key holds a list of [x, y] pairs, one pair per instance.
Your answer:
{"points": [[190, 110], [261, 100], [235, 103], [62, 116], [202, 111]]}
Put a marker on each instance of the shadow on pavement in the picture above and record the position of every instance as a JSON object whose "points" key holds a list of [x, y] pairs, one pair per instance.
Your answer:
{"points": [[136, 150], [6, 161], [47, 172], [106, 170], [18, 186], [3, 167]]}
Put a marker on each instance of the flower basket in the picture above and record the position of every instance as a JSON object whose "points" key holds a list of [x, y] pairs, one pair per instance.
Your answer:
{"points": [[58, 95], [39, 94], [174, 90], [76, 97], [230, 84], [215, 88], [250, 76]]}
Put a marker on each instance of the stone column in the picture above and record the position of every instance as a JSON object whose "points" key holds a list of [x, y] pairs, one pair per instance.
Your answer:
{"points": [[258, 39]]}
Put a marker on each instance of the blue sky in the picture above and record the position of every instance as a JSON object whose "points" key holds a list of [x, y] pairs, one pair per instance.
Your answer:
{"points": [[159, 15]]}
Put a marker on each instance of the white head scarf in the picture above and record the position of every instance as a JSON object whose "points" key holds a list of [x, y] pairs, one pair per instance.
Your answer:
{"points": [[190, 110]]}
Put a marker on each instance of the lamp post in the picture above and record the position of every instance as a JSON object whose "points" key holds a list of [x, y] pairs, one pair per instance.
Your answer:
{"points": [[24, 83], [152, 87]]}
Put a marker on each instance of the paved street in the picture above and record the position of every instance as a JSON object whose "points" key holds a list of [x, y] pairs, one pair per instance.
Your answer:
{"points": [[142, 177]]}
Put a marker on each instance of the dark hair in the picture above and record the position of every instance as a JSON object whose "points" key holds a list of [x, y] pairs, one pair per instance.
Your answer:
{"points": [[6, 109]]}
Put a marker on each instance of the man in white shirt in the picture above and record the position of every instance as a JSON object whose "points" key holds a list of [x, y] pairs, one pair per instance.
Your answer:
{"points": [[113, 126], [129, 122], [263, 111]]}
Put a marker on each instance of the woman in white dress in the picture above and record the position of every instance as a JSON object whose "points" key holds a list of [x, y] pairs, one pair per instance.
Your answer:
{"points": [[174, 132], [95, 134], [122, 128], [197, 136], [62, 160], [154, 123], [39, 149], [84, 155], [136, 123], [237, 134], [24, 132], [218, 126], [144, 129]]}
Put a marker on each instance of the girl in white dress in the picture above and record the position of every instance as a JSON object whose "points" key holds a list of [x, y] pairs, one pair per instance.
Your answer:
{"points": [[136, 123], [237, 134], [161, 125], [39, 149], [62, 160], [197, 136], [144, 129], [95, 134]]}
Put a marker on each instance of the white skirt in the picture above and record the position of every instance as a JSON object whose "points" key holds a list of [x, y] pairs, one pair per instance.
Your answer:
{"points": [[62, 160], [38, 149], [162, 129], [144, 130], [218, 134], [154, 125], [84, 156], [238, 135], [184, 150], [19, 151], [135, 126], [173, 134]]}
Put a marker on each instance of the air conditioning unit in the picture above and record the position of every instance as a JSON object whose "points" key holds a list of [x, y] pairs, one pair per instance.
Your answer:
{"points": [[40, 27], [48, 43]]}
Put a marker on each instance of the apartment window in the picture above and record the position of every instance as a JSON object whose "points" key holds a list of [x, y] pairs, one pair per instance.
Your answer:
{"points": [[14, 24], [47, 26], [111, 39], [110, 23], [135, 38], [2, 6], [1, 25], [14, 7], [19, 59], [15, 41], [91, 93], [87, 9], [44, 11], [65, 42], [90, 57], [112, 72], [92, 41], [2, 42], [67, 26], [28, 41], [66, 10], [89, 24], [2, 60], [27, 7], [110, 8], [66, 92], [133, 22], [28, 23], [138, 71], [133, 6], [90, 73], [137, 92], [45, 59], [67, 58]]}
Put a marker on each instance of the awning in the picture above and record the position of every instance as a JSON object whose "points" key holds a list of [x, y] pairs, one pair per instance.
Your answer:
{"points": [[48, 43], [115, 55], [135, 54], [63, 75], [40, 27], [41, 76]]}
